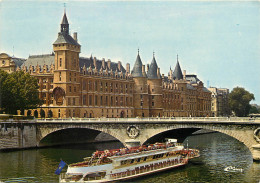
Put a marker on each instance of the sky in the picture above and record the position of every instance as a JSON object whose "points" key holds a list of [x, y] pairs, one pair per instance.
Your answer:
{"points": [[217, 40]]}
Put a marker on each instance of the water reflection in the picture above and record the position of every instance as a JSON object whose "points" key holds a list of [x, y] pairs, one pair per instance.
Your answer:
{"points": [[218, 151]]}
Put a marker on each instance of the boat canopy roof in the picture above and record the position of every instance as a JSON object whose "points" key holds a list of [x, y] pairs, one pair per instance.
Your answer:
{"points": [[140, 155]]}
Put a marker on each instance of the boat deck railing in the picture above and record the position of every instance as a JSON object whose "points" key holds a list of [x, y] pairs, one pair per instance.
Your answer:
{"points": [[149, 168]]}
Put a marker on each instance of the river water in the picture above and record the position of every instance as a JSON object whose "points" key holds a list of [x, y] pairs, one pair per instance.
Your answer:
{"points": [[218, 151]]}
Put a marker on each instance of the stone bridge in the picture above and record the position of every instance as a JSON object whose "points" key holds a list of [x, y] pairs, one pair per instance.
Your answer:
{"points": [[136, 131]]}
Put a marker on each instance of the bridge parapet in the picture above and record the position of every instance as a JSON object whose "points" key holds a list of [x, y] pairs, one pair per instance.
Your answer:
{"points": [[155, 119]]}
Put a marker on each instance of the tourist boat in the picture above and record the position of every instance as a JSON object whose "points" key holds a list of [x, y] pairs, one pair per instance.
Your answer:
{"points": [[128, 163]]}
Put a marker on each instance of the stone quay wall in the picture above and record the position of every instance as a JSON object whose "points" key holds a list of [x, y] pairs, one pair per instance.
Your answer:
{"points": [[17, 135]]}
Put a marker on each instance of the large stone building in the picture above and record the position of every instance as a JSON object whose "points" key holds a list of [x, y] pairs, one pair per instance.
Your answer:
{"points": [[219, 101], [74, 86]]}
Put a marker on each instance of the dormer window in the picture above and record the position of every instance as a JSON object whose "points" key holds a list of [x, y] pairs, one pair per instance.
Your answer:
{"points": [[3, 62]]}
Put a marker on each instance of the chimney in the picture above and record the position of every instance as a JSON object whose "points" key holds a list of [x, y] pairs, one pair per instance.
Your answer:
{"points": [[184, 74], [103, 63], [109, 64], [119, 65], [95, 62], [143, 68], [75, 36], [128, 68], [147, 67]]}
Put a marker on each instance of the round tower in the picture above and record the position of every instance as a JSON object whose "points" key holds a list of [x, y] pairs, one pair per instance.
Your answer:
{"points": [[141, 99], [155, 90]]}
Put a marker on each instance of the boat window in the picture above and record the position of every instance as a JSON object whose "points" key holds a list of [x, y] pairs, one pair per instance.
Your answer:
{"points": [[154, 156], [123, 162], [132, 161], [167, 154], [145, 158], [138, 160]]}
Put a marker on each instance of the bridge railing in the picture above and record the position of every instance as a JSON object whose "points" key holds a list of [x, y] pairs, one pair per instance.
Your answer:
{"points": [[153, 119]]}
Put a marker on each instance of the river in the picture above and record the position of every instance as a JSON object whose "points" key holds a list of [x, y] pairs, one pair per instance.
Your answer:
{"points": [[218, 151]]}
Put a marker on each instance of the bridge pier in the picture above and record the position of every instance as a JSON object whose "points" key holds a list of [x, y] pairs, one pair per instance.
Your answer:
{"points": [[132, 143], [256, 152]]}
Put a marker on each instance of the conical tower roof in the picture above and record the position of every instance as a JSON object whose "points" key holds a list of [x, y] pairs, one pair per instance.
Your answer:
{"points": [[64, 19], [177, 74], [137, 70], [63, 36], [152, 72]]}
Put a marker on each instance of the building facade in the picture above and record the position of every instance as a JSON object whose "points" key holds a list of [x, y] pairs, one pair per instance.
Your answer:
{"points": [[219, 101], [74, 86]]}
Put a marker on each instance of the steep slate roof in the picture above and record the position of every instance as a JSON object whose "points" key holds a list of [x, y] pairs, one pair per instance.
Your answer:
{"points": [[49, 59], [18, 61], [177, 74], [206, 90], [65, 38], [152, 72], [190, 87], [89, 62], [137, 69], [33, 60], [192, 78]]}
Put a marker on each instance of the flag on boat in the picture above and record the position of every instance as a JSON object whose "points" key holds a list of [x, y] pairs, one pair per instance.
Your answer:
{"points": [[61, 166]]}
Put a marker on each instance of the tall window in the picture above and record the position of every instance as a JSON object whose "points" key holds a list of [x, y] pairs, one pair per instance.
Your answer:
{"points": [[60, 76], [84, 99], [90, 100], [84, 85], [96, 100], [101, 100], [60, 62], [111, 101], [90, 85], [106, 100], [121, 101], [96, 85]]}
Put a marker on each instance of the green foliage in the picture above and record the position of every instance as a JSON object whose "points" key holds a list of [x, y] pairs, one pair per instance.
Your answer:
{"points": [[19, 91], [254, 110], [239, 99]]}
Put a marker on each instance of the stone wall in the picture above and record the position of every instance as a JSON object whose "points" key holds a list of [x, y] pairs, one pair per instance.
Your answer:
{"points": [[15, 135]]}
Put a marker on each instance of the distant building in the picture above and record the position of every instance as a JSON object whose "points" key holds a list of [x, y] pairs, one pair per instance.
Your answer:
{"points": [[74, 86], [219, 101], [9, 64]]}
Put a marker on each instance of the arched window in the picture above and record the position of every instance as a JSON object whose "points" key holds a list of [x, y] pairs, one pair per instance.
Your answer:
{"points": [[36, 113], [29, 112]]}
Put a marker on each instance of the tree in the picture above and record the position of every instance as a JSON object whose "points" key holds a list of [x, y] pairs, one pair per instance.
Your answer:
{"points": [[3, 76], [19, 91], [254, 110], [239, 99]]}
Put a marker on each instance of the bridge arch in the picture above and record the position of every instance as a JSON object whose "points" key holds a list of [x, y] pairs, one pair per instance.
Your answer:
{"points": [[246, 136], [44, 134]]}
